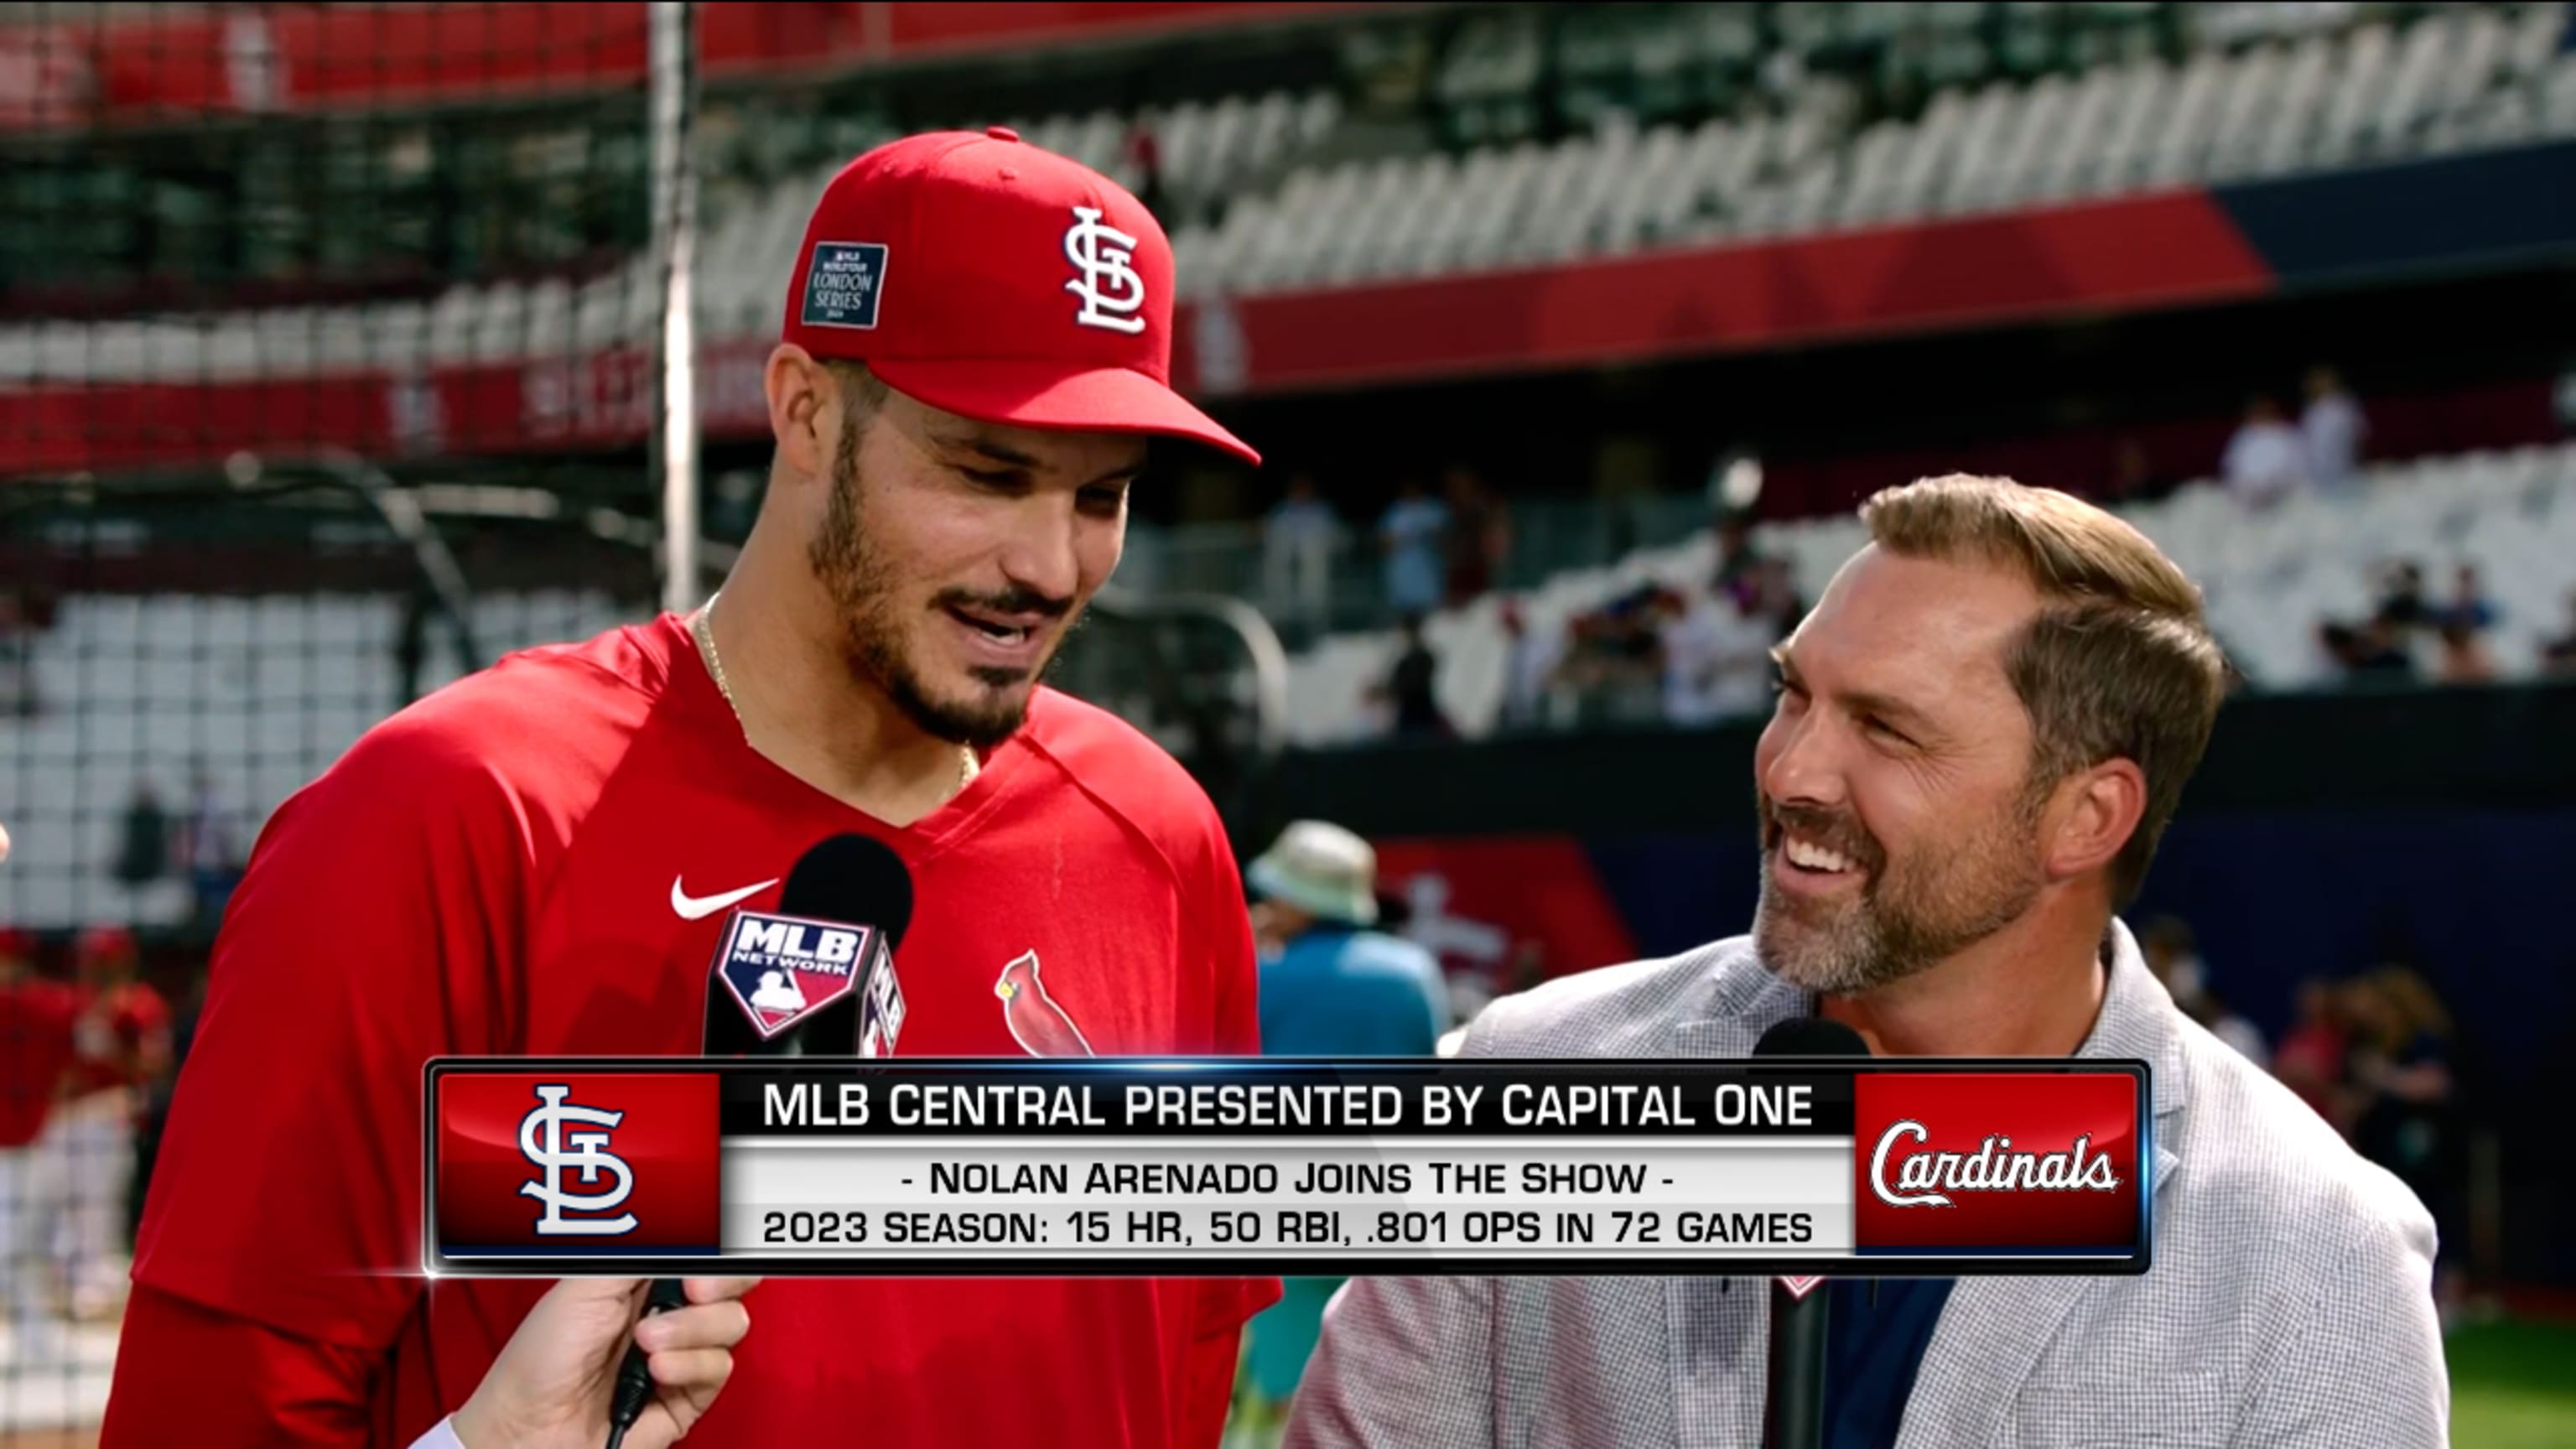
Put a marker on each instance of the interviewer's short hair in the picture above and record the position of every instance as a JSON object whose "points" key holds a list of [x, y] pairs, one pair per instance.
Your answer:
{"points": [[2118, 664]]}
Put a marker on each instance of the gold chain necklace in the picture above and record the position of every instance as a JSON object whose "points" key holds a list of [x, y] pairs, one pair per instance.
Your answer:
{"points": [[702, 628]]}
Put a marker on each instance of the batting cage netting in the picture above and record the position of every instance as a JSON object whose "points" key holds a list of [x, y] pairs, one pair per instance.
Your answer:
{"points": [[326, 327], [343, 349]]}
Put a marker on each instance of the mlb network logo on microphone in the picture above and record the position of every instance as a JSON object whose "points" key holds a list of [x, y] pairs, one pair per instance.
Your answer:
{"points": [[564, 1163], [784, 969], [1994, 1164]]}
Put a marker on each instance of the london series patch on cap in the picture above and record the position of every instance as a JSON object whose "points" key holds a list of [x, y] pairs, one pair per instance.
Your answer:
{"points": [[843, 283]]}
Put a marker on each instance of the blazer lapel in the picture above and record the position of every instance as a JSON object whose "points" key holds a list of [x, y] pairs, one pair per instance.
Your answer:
{"points": [[1717, 1328], [1994, 1330], [1719, 1332]]}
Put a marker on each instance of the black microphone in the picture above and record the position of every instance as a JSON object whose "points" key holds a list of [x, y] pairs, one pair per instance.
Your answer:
{"points": [[1793, 1401], [814, 978]]}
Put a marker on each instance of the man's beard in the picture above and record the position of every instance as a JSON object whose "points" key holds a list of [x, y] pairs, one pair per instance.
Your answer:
{"points": [[1911, 915], [848, 563]]}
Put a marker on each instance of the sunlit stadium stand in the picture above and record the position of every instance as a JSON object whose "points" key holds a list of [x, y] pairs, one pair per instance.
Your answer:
{"points": [[2270, 577]]}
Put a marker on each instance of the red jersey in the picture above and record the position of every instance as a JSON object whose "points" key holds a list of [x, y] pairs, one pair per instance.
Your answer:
{"points": [[35, 1048], [130, 1016], [537, 860]]}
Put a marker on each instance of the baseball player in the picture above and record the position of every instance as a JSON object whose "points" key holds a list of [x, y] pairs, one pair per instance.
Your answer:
{"points": [[539, 860]]}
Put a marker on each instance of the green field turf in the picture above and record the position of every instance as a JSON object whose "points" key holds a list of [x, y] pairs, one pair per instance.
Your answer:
{"points": [[2513, 1386]]}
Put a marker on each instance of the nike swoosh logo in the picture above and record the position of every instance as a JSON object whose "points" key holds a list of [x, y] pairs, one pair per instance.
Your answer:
{"points": [[693, 908]]}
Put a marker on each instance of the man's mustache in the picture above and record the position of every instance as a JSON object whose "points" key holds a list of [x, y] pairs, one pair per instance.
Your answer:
{"points": [[1009, 601]]}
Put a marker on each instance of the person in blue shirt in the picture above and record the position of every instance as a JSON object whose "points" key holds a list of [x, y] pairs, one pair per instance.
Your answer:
{"points": [[1331, 986], [1410, 535]]}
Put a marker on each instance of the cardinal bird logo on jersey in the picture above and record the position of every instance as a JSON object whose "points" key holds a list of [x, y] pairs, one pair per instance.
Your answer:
{"points": [[1037, 1023]]}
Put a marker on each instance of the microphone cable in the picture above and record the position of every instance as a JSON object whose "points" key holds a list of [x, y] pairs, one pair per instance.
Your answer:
{"points": [[635, 1375]]}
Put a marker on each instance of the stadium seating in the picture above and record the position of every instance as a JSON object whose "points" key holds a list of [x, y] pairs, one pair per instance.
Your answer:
{"points": [[1655, 161], [2452, 80], [2270, 579], [266, 692]]}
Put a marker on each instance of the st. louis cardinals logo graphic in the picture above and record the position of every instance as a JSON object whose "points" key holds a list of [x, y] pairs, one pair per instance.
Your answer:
{"points": [[1928, 1178], [542, 1140], [1105, 257], [1037, 1023]]}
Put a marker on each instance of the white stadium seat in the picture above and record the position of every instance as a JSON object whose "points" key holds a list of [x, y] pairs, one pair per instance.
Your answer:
{"points": [[1274, 201]]}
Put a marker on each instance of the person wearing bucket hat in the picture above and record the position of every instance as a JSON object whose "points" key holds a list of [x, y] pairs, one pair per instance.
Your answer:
{"points": [[1330, 986], [974, 351]]}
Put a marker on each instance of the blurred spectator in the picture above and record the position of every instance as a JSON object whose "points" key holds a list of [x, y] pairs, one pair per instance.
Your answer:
{"points": [[1411, 535], [2383, 646], [157, 1090], [2367, 651], [2465, 656], [2266, 459], [2334, 429], [1144, 155], [17, 664], [2405, 1099], [2133, 476], [1614, 665], [120, 1040], [2173, 955], [2469, 602], [1776, 600], [143, 840], [411, 642], [1530, 660], [1410, 688], [2402, 605], [1331, 986], [208, 847], [2311, 1059], [35, 1052], [1336, 987], [2229, 1025], [2558, 656], [1738, 561], [1479, 537], [1716, 660], [1297, 543]]}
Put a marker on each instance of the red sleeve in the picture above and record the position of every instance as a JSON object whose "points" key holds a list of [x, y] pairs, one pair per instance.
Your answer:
{"points": [[1231, 954], [375, 927], [219, 1380], [1211, 1386]]}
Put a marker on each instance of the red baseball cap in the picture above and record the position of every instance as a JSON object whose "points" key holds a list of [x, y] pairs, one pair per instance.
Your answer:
{"points": [[989, 278], [105, 943]]}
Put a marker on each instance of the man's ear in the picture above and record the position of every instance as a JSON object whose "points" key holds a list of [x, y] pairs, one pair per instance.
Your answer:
{"points": [[2097, 810], [804, 409]]}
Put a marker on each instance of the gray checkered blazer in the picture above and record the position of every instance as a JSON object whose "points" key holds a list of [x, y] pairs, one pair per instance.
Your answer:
{"points": [[2290, 1303]]}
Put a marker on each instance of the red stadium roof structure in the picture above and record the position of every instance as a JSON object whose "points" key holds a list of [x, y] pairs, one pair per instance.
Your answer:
{"points": [[145, 65]]}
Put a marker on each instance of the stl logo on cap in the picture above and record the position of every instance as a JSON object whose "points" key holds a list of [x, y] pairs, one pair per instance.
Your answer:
{"points": [[1104, 255]]}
